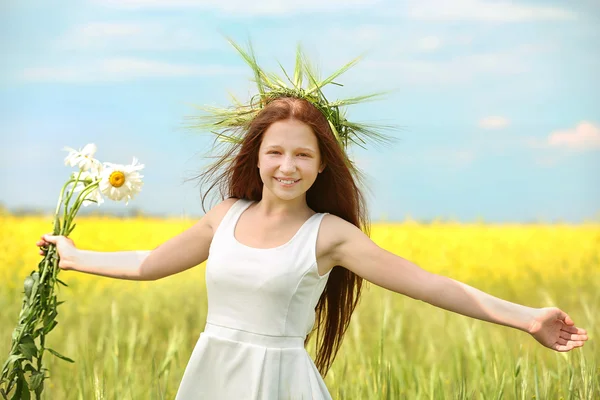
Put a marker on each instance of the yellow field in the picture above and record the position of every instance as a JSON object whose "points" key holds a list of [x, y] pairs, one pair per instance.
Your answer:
{"points": [[131, 340]]}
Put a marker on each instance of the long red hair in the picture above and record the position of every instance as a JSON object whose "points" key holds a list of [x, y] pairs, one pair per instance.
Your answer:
{"points": [[335, 191]]}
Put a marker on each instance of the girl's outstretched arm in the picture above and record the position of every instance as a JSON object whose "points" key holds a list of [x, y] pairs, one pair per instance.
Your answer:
{"points": [[177, 254], [353, 250]]}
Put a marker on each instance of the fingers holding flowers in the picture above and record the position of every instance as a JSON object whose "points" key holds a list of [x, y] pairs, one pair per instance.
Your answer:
{"points": [[65, 247], [43, 245]]}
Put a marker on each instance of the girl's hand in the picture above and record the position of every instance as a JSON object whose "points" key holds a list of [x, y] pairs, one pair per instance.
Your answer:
{"points": [[554, 329], [65, 248]]}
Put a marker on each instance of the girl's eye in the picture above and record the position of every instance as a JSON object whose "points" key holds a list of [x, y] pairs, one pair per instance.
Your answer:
{"points": [[277, 152]]}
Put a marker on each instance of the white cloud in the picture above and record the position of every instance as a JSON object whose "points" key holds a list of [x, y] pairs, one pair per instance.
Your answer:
{"points": [[429, 43], [110, 29], [434, 43], [484, 11], [494, 122], [460, 69], [585, 135], [381, 42], [436, 10], [121, 69], [244, 7], [131, 36], [357, 37]]}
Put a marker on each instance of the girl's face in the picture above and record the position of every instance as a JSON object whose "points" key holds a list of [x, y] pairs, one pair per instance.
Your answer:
{"points": [[289, 159]]}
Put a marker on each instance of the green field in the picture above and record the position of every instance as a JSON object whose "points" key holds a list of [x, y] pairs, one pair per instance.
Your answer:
{"points": [[132, 340]]}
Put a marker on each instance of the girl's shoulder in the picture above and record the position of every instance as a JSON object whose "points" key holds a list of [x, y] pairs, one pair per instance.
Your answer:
{"points": [[332, 232], [216, 214], [334, 224]]}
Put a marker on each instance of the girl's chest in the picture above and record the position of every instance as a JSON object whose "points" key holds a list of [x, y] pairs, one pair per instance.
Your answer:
{"points": [[264, 235]]}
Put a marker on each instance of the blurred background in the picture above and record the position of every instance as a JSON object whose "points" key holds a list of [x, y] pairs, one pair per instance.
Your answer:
{"points": [[498, 102]]}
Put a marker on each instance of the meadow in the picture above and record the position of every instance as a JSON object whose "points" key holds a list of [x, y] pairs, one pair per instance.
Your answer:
{"points": [[132, 340]]}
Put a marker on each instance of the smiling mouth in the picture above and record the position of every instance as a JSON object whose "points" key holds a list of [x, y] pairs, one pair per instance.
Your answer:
{"points": [[287, 181]]}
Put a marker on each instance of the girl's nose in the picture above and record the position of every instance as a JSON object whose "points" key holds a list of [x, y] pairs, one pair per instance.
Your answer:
{"points": [[288, 165]]}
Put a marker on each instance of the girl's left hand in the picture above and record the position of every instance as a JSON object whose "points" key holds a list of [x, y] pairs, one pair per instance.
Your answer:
{"points": [[554, 329]]}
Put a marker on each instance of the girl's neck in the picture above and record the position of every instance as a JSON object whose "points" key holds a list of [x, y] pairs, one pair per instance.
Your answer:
{"points": [[269, 207]]}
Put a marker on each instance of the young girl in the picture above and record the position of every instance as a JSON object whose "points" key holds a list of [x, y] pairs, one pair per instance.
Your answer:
{"points": [[284, 250]]}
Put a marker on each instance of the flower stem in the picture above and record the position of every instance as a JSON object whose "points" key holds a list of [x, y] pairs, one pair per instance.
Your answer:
{"points": [[69, 195], [76, 206], [60, 198]]}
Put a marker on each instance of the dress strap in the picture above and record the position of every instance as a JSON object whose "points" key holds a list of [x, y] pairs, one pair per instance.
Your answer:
{"points": [[308, 234], [231, 217]]}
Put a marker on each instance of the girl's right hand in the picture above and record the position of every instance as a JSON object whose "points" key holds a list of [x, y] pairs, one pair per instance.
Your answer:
{"points": [[65, 247]]}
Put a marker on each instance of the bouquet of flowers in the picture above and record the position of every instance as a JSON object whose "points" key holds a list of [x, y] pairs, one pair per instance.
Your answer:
{"points": [[23, 372]]}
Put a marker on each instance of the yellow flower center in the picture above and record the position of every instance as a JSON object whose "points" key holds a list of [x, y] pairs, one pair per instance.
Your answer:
{"points": [[117, 179]]}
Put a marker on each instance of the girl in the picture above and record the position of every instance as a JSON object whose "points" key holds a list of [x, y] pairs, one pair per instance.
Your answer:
{"points": [[286, 250]]}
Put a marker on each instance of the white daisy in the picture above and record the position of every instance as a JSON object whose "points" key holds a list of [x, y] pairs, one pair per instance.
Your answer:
{"points": [[83, 158], [120, 182], [92, 174]]}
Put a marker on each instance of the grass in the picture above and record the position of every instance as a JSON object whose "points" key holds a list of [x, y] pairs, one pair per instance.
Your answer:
{"points": [[132, 340]]}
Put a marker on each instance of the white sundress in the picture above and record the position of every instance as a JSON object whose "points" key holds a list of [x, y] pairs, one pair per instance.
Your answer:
{"points": [[261, 306]]}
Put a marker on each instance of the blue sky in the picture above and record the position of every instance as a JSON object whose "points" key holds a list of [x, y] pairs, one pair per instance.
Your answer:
{"points": [[499, 102]]}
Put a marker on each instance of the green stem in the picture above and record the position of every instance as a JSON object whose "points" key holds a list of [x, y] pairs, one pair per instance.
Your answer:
{"points": [[46, 261], [45, 267], [48, 270], [77, 205], [67, 223], [69, 197], [60, 199]]}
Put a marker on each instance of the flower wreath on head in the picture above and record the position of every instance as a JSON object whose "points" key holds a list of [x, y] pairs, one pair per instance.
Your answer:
{"points": [[230, 124]]}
